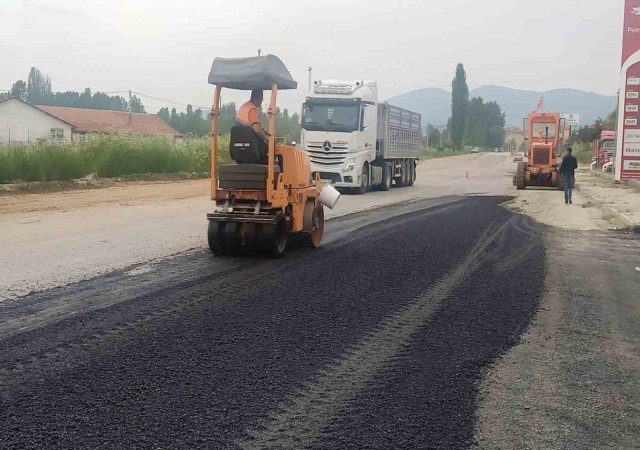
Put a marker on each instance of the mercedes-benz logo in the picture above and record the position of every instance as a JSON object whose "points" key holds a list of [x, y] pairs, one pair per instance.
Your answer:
{"points": [[326, 146]]}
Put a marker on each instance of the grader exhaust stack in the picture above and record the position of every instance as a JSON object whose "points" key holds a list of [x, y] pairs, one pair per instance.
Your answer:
{"points": [[262, 199]]}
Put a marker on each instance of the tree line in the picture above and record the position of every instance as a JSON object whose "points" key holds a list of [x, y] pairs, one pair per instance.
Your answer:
{"points": [[195, 122], [37, 91], [591, 132], [198, 122], [472, 121]]}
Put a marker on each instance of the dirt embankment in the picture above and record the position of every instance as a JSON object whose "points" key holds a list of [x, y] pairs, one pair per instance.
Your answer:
{"points": [[103, 192]]}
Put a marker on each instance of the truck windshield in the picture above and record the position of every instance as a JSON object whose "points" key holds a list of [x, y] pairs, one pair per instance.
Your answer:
{"points": [[324, 116], [609, 145], [541, 127]]}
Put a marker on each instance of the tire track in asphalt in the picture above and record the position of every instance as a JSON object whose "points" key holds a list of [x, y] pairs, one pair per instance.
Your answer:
{"points": [[298, 424], [198, 367]]}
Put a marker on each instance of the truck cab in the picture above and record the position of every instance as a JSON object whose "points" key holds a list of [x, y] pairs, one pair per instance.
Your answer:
{"points": [[339, 129], [607, 147]]}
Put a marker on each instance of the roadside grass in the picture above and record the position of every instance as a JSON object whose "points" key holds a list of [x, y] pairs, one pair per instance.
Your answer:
{"points": [[432, 153], [108, 156]]}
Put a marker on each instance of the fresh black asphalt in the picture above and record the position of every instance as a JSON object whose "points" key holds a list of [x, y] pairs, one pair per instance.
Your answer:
{"points": [[376, 340]]}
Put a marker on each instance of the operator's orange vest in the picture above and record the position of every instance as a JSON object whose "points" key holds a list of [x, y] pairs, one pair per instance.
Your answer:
{"points": [[248, 114]]}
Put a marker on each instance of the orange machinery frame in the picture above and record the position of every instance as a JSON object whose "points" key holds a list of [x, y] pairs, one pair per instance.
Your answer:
{"points": [[547, 118], [276, 197], [292, 187]]}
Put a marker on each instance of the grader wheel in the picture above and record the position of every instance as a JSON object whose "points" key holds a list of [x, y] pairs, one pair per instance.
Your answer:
{"points": [[520, 176]]}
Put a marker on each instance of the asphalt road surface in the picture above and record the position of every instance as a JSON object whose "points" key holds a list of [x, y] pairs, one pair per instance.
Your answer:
{"points": [[376, 340], [50, 240], [431, 317]]}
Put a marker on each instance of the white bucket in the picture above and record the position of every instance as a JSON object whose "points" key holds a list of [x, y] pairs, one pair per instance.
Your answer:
{"points": [[329, 196]]}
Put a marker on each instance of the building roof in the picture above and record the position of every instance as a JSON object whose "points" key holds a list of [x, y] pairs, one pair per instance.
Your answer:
{"points": [[29, 104], [103, 121]]}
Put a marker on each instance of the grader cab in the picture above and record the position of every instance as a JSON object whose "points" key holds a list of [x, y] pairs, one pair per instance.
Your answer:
{"points": [[261, 201], [544, 139]]}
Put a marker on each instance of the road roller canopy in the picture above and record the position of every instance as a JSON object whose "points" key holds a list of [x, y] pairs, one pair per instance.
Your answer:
{"points": [[257, 72]]}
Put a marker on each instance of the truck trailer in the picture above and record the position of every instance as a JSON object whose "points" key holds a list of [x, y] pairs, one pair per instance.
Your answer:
{"points": [[356, 142]]}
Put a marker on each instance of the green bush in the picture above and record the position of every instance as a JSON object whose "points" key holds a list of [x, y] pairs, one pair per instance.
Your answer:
{"points": [[582, 152], [439, 152], [109, 156]]}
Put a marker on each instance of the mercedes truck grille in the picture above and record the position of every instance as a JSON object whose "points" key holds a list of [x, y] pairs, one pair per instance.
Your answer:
{"points": [[328, 154]]}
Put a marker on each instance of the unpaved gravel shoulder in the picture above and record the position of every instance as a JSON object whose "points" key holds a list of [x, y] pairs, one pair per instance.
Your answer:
{"points": [[124, 194], [619, 200], [598, 204], [128, 193], [574, 379], [547, 206]]}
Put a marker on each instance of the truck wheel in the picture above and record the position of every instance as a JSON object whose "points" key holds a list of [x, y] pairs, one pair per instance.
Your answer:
{"points": [[401, 180], [405, 168], [521, 176], [364, 180], [412, 173], [387, 177]]}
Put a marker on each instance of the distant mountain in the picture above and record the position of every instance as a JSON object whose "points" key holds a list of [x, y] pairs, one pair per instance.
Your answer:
{"points": [[435, 104]]}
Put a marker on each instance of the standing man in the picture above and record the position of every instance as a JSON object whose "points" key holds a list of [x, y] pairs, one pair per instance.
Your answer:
{"points": [[249, 115], [568, 174]]}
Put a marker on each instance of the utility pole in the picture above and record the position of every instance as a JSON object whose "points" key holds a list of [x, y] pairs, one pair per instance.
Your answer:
{"points": [[309, 69], [129, 108], [570, 135], [259, 51]]}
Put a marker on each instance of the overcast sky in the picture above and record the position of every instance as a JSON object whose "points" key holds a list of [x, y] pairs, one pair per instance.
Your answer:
{"points": [[165, 49]]}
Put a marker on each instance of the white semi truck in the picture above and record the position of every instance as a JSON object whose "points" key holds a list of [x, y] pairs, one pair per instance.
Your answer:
{"points": [[356, 142]]}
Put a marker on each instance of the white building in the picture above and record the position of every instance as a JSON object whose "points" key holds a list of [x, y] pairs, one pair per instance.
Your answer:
{"points": [[22, 123]]}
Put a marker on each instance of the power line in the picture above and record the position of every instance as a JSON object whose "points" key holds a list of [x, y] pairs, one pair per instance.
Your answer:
{"points": [[171, 101], [164, 100]]}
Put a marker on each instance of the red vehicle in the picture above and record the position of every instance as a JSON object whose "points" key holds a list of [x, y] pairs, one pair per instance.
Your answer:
{"points": [[603, 149]]}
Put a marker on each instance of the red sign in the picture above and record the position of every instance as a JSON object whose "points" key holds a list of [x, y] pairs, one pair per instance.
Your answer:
{"points": [[628, 139], [631, 34]]}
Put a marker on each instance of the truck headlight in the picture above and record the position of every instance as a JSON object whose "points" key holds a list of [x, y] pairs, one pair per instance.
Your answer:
{"points": [[349, 167]]}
